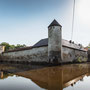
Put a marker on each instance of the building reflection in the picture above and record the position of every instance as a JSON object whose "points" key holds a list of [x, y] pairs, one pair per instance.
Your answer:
{"points": [[51, 78]]}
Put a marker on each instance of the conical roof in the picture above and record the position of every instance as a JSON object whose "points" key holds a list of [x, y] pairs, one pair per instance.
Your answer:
{"points": [[54, 23]]}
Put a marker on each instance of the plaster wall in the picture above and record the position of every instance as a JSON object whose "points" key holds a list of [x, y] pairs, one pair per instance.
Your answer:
{"points": [[40, 54], [55, 38], [55, 44], [73, 55], [33, 55]]}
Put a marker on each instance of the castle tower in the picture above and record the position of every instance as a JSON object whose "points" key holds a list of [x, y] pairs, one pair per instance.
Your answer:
{"points": [[55, 42]]}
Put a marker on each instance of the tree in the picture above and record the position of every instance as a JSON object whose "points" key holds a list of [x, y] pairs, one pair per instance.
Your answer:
{"points": [[20, 46], [7, 46], [11, 47]]}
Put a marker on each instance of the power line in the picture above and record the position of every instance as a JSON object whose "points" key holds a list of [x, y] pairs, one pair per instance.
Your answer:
{"points": [[73, 20]]}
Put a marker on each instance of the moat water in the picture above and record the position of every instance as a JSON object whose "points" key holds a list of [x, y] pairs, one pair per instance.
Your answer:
{"points": [[27, 77]]}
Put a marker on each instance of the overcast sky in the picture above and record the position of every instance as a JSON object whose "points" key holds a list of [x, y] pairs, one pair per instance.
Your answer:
{"points": [[26, 21]]}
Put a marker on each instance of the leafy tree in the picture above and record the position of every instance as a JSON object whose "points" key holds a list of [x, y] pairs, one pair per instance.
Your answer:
{"points": [[10, 47], [20, 46], [7, 46]]}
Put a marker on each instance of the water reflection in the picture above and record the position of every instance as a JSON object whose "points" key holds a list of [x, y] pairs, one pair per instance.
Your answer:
{"points": [[51, 78]]}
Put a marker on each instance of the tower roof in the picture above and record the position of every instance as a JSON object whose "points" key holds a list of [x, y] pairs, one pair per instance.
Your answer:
{"points": [[54, 23]]}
